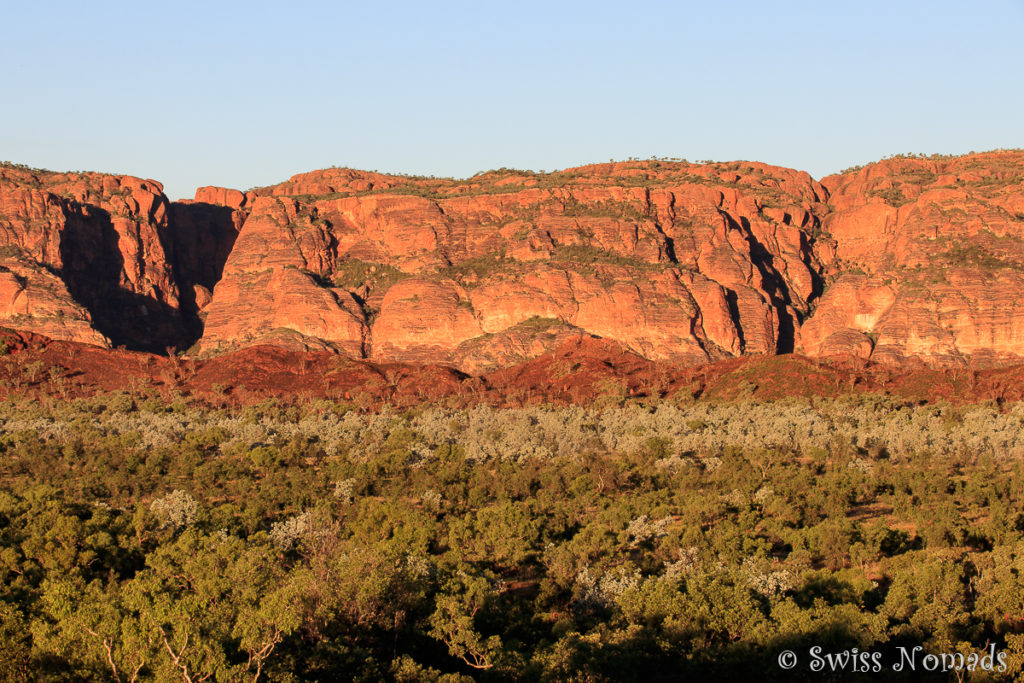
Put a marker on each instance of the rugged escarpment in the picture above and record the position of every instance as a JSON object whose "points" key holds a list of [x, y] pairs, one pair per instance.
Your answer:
{"points": [[907, 258], [929, 261], [105, 259], [671, 260]]}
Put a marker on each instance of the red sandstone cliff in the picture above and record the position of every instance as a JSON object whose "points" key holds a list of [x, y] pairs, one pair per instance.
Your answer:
{"points": [[929, 262], [90, 257], [903, 259], [671, 260]]}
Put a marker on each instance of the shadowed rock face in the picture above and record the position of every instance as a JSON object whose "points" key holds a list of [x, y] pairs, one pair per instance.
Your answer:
{"points": [[109, 256], [906, 258], [200, 235], [100, 236]]}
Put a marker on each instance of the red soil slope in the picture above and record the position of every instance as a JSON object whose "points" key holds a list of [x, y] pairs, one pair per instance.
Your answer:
{"points": [[579, 371]]}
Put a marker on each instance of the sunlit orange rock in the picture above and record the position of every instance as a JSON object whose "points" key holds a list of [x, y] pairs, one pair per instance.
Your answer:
{"points": [[906, 260]]}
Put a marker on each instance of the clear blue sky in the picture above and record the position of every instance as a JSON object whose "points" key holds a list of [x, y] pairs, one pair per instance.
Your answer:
{"points": [[246, 94]]}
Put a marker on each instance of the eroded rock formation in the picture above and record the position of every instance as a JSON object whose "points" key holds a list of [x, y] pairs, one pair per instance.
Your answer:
{"points": [[101, 260], [675, 261], [928, 264], [908, 258]]}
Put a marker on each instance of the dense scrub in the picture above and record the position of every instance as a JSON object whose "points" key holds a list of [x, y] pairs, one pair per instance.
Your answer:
{"points": [[145, 541]]}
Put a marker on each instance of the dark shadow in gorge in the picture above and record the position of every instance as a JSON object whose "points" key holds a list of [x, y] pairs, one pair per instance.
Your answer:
{"points": [[198, 239], [774, 285]]}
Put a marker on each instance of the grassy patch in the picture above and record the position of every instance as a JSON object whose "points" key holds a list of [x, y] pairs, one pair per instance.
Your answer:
{"points": [[604, 209], [355, 273]]}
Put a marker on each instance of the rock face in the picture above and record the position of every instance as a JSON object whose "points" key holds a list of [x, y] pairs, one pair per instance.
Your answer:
{"points": [[908, 258], [928, 262], [672, 260], [199, 236], [34, 299], [98, 239], [92, 257]]}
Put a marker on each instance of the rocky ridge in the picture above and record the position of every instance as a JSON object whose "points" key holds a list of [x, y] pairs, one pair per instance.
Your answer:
{"points": [[905, 260]]}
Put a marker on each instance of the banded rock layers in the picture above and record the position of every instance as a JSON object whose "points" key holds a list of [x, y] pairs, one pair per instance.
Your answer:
{"points": [[670, 260], [905, 258], [929, 262]]}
